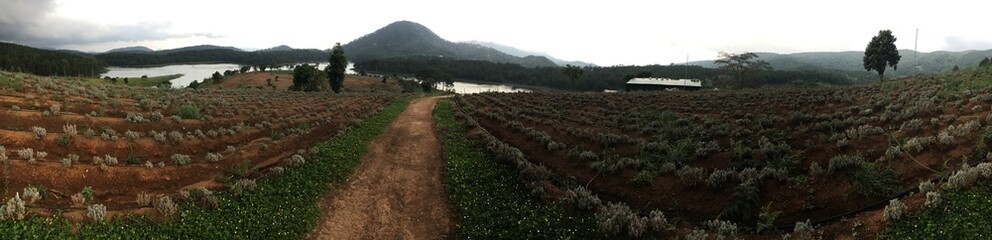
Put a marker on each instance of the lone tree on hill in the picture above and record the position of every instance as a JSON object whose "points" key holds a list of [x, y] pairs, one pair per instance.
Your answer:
{"points": [[741, 65], [572, 72], [335, 70], [881, 51]]}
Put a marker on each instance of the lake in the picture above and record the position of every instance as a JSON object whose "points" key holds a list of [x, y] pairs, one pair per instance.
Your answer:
{"points": [[196, 72], [469, 88]]}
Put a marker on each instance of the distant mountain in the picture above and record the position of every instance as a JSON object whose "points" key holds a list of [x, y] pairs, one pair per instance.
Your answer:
{"points": [[410, 39], [19, 58], [851, 61], [131, 49], [199, 48], [523, 53], [277, 48], [214, 54]]}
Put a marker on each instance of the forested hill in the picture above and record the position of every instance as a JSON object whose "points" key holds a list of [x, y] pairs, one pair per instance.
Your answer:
{"points": [[19, 58], [206, 53], [592, 79], [851, 61], [410, 39]]}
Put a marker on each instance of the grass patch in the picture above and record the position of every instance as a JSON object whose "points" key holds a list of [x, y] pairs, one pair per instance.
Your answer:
{"points": [[282, 207], [489, 201], [873, 179], [188, 112], [962, 215], [971, 78]]}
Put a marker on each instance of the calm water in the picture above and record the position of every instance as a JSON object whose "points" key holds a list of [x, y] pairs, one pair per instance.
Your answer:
{"points": [[191, 72], [196, 72], [469, 88]]}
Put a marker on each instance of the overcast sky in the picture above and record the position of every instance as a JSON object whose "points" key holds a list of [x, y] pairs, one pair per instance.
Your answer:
{"points": [[603, 32]]}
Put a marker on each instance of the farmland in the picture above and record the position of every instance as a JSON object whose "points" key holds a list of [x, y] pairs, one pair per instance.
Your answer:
{"points": [[762, 160], [85, 151]]}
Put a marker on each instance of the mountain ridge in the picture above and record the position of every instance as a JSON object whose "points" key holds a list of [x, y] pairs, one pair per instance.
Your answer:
{"points": [[410, 39], [524, 53]]}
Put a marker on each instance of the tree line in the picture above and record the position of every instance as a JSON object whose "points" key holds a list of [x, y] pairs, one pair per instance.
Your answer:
{"points": [[47, 63], [591, 78], [257, 58]]}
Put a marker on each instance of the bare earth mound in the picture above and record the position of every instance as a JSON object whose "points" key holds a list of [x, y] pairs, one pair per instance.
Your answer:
{"points": [[397, 192]]}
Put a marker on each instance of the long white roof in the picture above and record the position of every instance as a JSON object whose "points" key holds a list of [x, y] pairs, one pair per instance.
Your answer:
{"points": [[667, 82]]}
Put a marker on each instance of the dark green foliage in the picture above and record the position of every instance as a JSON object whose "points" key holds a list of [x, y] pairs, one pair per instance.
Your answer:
{"points": [[881, 52], [62, 140], [17, 58], [572, 72], [306, 77], [985, 62], [132, 157], [188, 112], [743, 207], [488, 200], [429, 78], [874, 180], [335, 70], [217, 77], [964, 215], [194, 84], [244, 69]]}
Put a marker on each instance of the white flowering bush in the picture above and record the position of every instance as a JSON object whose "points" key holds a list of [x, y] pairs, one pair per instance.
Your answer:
{"points": [[39, 132], [180, 159], [13, 209], [213, 157], [164, 206], [933, 199], [895, 210], [583, 198], [243, 185], [31, 194]]}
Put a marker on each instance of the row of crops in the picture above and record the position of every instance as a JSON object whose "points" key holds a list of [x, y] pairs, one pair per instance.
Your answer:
{"points": [[755, 161], [83, 151]]}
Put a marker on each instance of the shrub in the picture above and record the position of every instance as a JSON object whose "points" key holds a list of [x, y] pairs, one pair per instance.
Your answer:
{"points": [[895, 210], [78, 199], [874, 179], [180, 159], [926, 186], [933, 199], [583, 198], [213, 157], [188, 112], [110, 160], [164, 205], [805, 231], [39, 132], [962, 179], [176, 136], [96, 212], [62, 140], [691, 176], [815, 169], [719, 177], [617, 218], [843, 162], [243, 185], [745, 202], [697, 234], [66, 162], [87, 193], [144, 199], [31, 194], [70, 130], [723, 229], [132, 135], [26, 153], [295, 160], [14, 209]]}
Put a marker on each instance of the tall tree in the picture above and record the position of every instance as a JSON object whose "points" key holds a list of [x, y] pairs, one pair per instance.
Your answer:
{"points": [[335, 70], [741, 65], [881, 51], [572, 72]]}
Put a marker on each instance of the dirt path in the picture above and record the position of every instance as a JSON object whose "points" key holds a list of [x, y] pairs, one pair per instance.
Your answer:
{"points": [[397, 192]]}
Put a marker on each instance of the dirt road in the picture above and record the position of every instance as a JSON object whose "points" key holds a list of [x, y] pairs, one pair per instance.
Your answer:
{"points": [[397, 192]]}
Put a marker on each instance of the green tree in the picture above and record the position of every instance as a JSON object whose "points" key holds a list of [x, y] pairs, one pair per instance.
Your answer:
{"points": [[572, 72], [985, 62], [741, 65], [881, 51], [335, 70], [305, 78], [245, 69], [217, 77], [429, 78]]}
